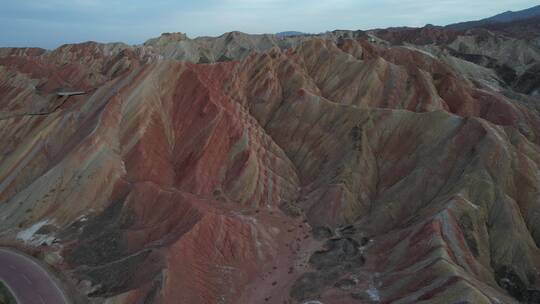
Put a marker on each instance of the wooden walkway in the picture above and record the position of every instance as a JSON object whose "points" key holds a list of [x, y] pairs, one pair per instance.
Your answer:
{"points": [[70, 93]]}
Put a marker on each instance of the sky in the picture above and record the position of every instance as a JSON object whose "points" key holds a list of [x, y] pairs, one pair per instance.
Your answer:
{"points": [[50, 23]]}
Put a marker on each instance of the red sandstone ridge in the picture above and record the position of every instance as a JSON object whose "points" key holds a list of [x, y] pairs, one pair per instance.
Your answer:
{"points": [[327, 169]]}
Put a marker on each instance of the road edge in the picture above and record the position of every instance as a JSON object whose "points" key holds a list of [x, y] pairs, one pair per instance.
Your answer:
{"points": [[43, 267], [11, 291]]}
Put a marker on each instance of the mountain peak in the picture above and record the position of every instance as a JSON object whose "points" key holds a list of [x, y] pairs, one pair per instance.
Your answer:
{"points": [[508, 16]]}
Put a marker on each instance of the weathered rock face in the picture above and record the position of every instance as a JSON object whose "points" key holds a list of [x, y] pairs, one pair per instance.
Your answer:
{"points": [[331, 170], [229, 46], [418, 36], [509, 51]]}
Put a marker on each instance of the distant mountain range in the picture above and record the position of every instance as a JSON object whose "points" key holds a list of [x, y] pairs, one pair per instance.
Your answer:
{"points": [[523, 20], [289, 34], [505, 17]]}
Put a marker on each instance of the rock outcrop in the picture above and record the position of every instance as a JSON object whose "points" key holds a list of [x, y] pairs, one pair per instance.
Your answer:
{"points": [[256, 169]]}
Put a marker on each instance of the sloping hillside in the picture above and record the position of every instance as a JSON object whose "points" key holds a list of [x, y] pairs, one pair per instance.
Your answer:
{"points": [[505, 17]]}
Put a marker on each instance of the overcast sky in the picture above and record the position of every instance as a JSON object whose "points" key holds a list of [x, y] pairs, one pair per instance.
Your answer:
{"points": [[50, 23]]}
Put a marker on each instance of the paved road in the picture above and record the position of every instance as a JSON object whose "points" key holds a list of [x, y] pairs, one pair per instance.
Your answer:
{"points": [[28, 281]]}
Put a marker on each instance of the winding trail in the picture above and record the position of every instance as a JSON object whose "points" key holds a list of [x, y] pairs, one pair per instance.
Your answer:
{"points": [[27, 280]]}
